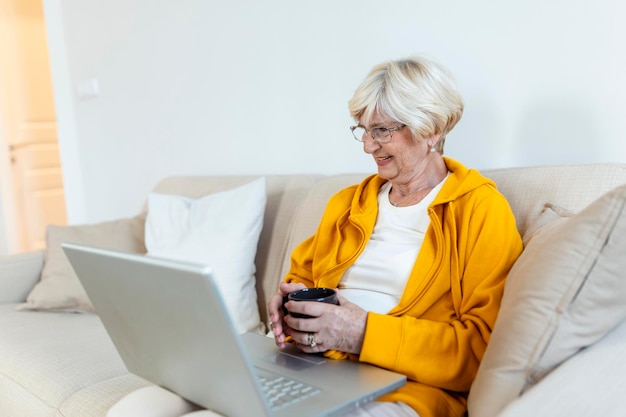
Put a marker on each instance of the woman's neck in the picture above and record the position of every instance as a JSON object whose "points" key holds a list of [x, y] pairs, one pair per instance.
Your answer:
{"points": [[410, 193]]}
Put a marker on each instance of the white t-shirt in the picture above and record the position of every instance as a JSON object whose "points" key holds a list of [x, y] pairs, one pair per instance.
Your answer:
{"points": [[377, 279]]}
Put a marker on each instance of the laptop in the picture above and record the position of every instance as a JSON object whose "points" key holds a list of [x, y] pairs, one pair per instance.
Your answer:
{"points": [[170, 326]]}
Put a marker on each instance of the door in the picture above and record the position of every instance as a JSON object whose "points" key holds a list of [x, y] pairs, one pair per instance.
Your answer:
{"points": [[32, 187]]}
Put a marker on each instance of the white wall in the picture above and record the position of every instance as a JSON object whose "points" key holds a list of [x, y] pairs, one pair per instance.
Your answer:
{"points": [[249, 87]]}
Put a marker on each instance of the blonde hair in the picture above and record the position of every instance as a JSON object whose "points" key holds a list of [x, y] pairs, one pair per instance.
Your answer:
{"points": [[415, 91]]}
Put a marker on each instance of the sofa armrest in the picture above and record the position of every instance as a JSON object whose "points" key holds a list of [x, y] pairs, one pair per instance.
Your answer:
{"points": [[591, 383], [18, 275]]}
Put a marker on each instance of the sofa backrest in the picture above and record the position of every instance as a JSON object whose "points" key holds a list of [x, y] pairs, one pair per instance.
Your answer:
{"points": [[295, 204], [571, 187]]}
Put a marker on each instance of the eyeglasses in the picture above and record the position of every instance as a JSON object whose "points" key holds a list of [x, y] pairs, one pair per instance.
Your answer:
{"points": [[379, 134]]}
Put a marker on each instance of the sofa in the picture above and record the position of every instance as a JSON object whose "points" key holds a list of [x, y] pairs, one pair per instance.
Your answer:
{"points": [[558, 347]]}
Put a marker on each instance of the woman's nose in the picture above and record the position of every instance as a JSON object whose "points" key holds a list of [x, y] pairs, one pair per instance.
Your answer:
{"points": [[369, 144]]}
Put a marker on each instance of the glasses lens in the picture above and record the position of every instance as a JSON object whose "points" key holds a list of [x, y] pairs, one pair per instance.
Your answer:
{"points": [[381, 134], [358, 133]]}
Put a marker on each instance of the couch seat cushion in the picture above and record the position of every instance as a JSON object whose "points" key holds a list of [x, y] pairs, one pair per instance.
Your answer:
{"points": [[53, 360]]}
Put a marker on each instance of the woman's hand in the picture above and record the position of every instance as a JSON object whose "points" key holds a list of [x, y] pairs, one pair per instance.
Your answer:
{"points": [[339, 327], [275, 310]]}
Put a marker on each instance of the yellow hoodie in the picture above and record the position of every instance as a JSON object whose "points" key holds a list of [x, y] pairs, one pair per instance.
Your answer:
{"points": [[438, 332]]}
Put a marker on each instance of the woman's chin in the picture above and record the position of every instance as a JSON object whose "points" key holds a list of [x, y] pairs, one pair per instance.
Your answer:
{"points": [[386, 172]]}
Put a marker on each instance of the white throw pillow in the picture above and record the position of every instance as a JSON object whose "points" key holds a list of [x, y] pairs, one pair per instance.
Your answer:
{"points": [[221, 230], [564, 293]]}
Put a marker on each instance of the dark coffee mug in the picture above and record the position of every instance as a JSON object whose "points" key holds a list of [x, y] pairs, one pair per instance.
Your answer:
{"points": [[319, 294]]}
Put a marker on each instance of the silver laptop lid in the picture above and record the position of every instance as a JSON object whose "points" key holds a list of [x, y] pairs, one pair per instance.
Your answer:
{"points": [[142, 316]]}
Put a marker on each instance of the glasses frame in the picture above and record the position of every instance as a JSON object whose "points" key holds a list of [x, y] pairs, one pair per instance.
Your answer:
{"points": [[383, 131]]}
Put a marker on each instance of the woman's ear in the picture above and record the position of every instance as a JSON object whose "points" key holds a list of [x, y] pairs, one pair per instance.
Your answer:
{"points": [[434, 144]]}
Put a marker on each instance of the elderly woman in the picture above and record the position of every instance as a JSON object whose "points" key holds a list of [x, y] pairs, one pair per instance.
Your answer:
{"points": [[419, 251]]}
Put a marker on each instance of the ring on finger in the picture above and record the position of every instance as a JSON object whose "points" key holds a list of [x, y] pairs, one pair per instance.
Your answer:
{"points": [[311, 340]]}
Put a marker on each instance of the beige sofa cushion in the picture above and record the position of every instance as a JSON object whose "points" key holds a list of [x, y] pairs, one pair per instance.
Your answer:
{"points": [[59, 288], [565, 292]]}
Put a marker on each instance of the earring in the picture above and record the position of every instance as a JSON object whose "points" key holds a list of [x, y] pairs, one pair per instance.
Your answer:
{"points": [[432, 148]]}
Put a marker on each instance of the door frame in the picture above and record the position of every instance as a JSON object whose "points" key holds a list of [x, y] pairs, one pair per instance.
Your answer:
{"points": [[9, 234], [24, 118]]}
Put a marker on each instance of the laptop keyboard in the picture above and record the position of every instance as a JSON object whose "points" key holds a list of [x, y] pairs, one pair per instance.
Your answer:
{"points": [[281, 391]]}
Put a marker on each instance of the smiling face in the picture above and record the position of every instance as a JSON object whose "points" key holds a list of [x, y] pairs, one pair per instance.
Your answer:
{"points": [[417, 92], [405, 160]]}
